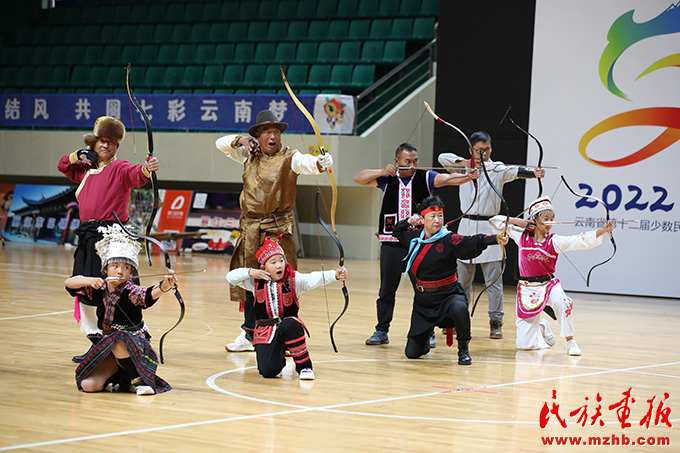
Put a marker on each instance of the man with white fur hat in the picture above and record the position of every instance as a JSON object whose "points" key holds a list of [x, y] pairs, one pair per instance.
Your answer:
{"points": [[270, 172], [105, 183]]}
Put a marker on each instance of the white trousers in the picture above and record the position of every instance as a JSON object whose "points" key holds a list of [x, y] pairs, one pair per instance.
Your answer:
{"points": [[529, 334]]}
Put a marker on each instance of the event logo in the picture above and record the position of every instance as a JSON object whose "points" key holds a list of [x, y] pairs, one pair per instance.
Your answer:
{"points": [[335, 111], [623, 34]]}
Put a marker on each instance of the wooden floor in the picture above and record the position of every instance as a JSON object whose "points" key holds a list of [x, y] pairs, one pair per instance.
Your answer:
{"points": [[365, 398]]}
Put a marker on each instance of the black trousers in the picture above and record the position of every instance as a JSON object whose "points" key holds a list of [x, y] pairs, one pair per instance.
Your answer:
{"points": [[271, 357], [391, 269], [455, 309]]}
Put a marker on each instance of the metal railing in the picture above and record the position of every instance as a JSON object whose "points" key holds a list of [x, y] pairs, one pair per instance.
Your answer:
{"points": [[389, 90]]}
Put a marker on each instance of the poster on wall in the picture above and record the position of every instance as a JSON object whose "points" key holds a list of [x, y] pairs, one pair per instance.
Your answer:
{"points": [[605, 104], [6, 194], [172, 217], [216, 214], [42, 214]]}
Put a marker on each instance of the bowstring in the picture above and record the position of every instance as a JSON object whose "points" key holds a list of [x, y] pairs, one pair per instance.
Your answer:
{"points": [[318, 230], [134, 147]]}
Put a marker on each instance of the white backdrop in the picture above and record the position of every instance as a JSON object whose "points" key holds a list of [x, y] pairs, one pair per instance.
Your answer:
{"points": [[588, 64]]}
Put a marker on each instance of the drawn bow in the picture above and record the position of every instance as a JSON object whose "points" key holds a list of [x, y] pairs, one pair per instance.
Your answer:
{"points": [[611, 236], [472, 159], [333, 233], [154, 182], [168, 266]]}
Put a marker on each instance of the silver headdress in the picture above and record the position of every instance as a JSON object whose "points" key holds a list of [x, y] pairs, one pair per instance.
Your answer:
{"points": [[117, 246]]}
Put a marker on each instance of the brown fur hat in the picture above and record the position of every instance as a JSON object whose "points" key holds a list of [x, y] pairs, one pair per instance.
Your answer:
{"points": [[106, 127]]}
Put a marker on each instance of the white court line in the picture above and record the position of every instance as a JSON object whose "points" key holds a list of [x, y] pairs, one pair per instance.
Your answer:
{"points": [[35, 316], [24, 271], [330, 408]]}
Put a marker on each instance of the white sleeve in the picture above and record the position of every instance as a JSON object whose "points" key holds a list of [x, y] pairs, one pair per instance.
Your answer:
{"points": [[240, 277], [582, 241], [450, 160], [239, 154], [304, 164], [305, 282], [514, 231]]}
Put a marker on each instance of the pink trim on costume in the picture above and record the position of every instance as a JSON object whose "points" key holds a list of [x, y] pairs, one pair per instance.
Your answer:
{"points": [[76, 310]]}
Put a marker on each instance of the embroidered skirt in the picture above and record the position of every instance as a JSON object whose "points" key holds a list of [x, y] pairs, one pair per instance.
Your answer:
{"points": [[139, 348]]}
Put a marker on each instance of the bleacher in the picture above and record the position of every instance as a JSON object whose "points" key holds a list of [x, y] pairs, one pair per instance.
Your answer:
{"points": [[203, 47]]}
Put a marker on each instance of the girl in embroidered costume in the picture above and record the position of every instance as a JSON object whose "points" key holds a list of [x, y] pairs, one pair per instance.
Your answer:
{"points": [[277, 328], [537, 286], [124, 356]]}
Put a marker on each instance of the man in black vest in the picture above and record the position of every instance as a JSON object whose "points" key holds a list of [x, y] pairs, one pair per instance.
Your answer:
{"points": [[402, 190]]}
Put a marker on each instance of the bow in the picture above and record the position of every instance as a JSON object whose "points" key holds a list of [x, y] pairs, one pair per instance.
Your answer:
{"points": [[508, 113], [611, 236], [154, 182], [332, 232], [504, 204], [472, 158], [168, 266]]}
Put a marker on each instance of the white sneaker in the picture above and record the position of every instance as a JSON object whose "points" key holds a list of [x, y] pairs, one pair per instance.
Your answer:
{"points": [[240, 344], [307, 375], [141, 388], [572, 347], [547, 333]]}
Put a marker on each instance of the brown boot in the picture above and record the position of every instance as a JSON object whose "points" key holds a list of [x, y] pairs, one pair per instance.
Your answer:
{"points": [[496, 332]]}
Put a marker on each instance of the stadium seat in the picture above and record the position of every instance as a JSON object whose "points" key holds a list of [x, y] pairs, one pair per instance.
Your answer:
{"points": [[257, 29], [193, 12], [363, 76], [75, 55], [372, 51], [237, 31], [326, 9], [205, 54], [193, 75], [306, 9], [368, 8], [111, 54], [104, 14], [122, 14], [224, 53], [244, 52], [181, 33], [297, 75], [157, 13], [42, 76], [8, 77], [272, 76], [265, 51], [60, 77], [199, 32], [394, 52], [233, 76], [173, 77], [98, 76], [25, 76], [130, 54], [266, 8], [306, 52], [410, 8], [402, 28], [254, 75], [41, 54], [287, 9], [145, 33], [175, 12], [218, 32], [212, 76], [277, 31], [381, 29], [285, 52], [297, 30], [341, 75], [93, 54], [154, 77], [126, 34], [148, 54], [338, 29], [388, 8], [349, 51], [167, 54], [359, 29], [211, 11], [319, 75], [328, 51], [347, 8], [423, 28], [318, 30]]}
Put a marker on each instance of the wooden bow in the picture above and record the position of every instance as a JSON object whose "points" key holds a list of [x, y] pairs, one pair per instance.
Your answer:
{"points": [[332, 231]]}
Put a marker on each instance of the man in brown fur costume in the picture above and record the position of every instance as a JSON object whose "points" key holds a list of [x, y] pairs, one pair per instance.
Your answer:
{"points": [[105, 185]]}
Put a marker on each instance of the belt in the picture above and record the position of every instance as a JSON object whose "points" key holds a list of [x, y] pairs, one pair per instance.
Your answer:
{"points": [[268, 322], [439, 285], [541, 279], [477, 217], [269, 215]]}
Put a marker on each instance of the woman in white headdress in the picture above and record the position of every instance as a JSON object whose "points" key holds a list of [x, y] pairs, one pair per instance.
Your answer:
{"points": [[537, 286], [124, 356]]}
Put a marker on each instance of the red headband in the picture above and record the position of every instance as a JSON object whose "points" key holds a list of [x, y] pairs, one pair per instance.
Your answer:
{"points": [[430, 209]]}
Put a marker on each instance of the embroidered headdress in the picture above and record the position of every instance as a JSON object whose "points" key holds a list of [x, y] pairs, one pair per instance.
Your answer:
{"points": [[268, 249], [117, 246], [539, 205]]}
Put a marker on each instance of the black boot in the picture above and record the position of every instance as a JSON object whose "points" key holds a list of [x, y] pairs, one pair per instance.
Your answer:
{"points": [[463, 353], [128, 373], [95, 338], [496, 332]]}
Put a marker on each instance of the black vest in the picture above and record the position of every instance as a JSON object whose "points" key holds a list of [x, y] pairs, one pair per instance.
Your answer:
{"points": [[389, 213]]}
